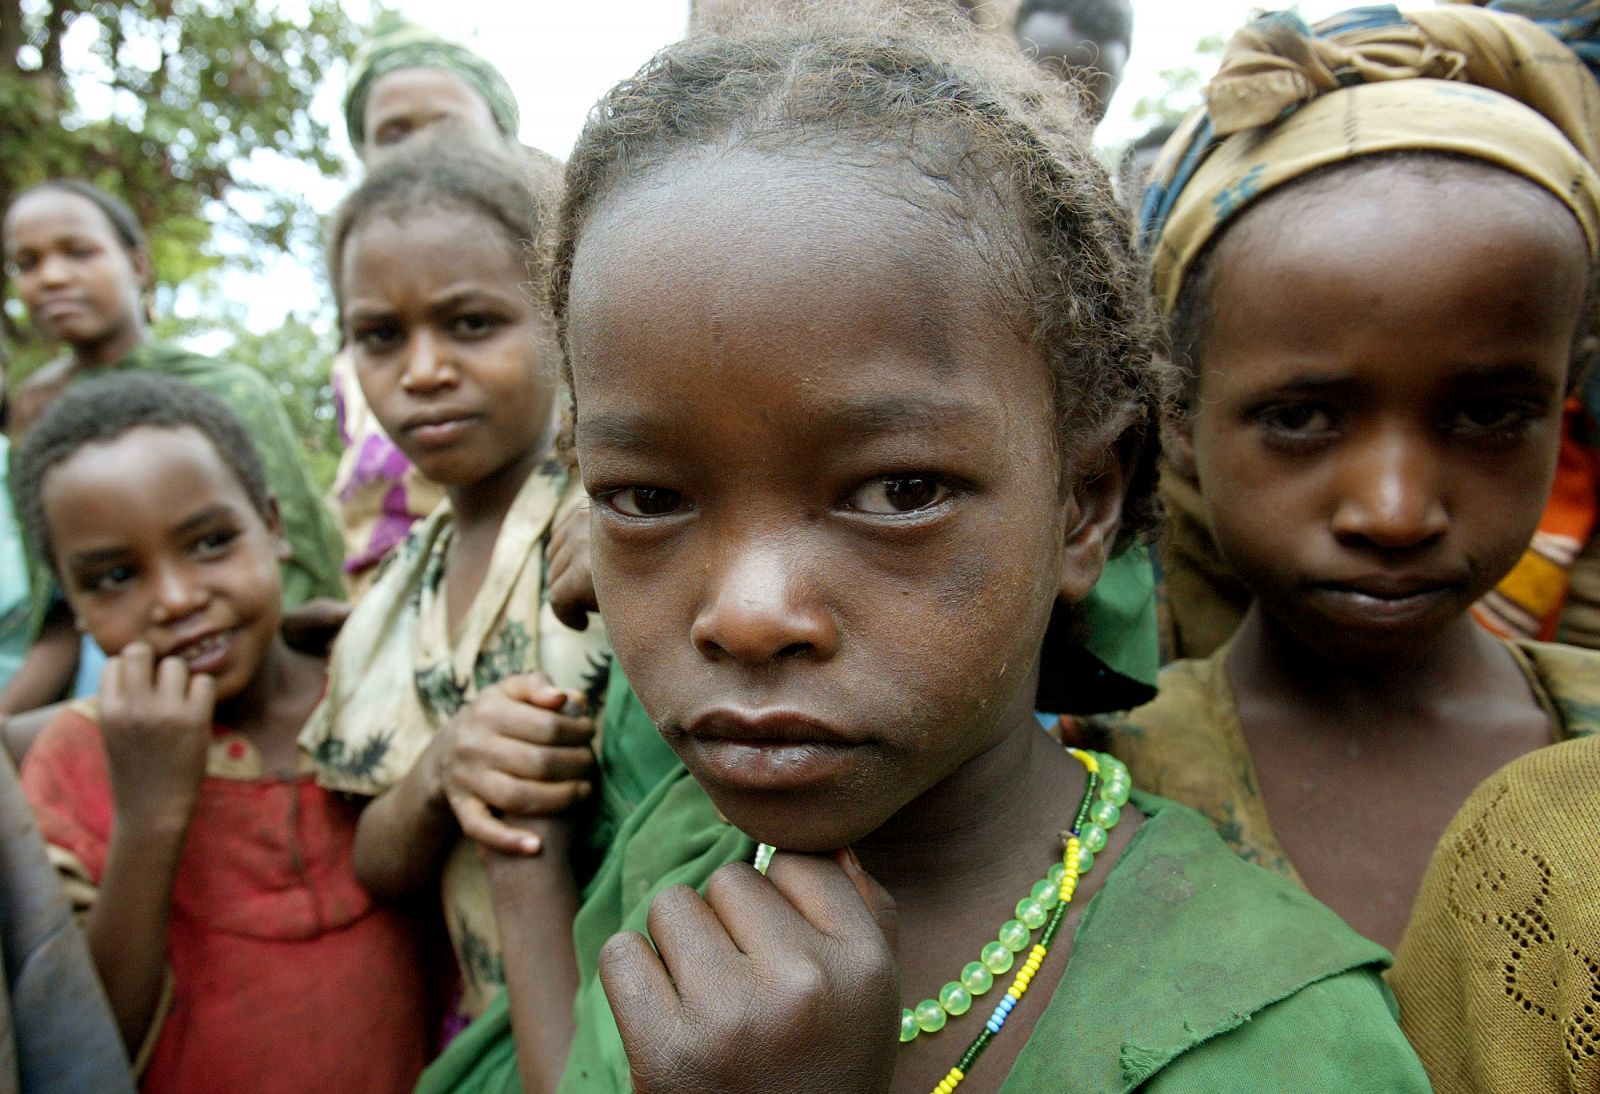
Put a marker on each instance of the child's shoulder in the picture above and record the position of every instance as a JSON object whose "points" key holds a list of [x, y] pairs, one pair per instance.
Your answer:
{"points": [[1569, 678], [1194, 970]]}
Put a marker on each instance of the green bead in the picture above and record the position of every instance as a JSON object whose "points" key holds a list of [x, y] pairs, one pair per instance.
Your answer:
{"points": [[1057, 872], [1116, 793], [1047, 892], [1032, 912], [996, 957], [1085, 859], [1105, 814], [1014, 936], [908, 1026], [1112, 768], [930, 1016], [1093, 837], [955, 998], [976, 978]]}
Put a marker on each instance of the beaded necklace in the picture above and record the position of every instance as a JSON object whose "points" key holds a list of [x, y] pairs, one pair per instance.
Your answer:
{"points": [[1105, 792]]}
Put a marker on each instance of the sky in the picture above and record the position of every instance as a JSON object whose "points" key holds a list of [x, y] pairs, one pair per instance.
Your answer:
{"points": [[561, 55]]}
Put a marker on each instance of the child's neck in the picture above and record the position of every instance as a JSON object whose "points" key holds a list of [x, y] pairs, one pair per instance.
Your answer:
{"points": [[110, 349], [1268, 661], [271, 709], [481, 507]]}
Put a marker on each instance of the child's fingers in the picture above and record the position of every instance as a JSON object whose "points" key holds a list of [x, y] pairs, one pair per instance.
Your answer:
{"points": [[820, 890], [689, 935], [875, 896], [641, 993], [528, 798], [535, 725], [202, 697], [540, 763], [754, 914], [172, 679], [479, 824], [535, 689], [136, 669]]}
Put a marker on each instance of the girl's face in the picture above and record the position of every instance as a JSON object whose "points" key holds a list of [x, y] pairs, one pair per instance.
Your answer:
{"points": [[155, 538], [828, 524], [1379, 402], [78, 281], [448, 348]]}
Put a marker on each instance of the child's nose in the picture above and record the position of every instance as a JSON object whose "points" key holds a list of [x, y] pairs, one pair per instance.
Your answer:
{"points": [[761, 608], [428, 364], [177, 594], [53, 269], [1390, 493]]}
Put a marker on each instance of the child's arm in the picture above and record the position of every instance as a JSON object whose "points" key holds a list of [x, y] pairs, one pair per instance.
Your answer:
{"points": [[47, 671], [156, 721], [507, 752], [717, 1002], [535, 901]]}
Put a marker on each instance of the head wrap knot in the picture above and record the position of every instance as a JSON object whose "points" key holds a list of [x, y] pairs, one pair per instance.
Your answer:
{"points": [[1289, 100]]}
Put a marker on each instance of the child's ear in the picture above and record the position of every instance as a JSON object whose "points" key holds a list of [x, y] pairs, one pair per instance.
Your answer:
{"points": [[139, 258], [1093, 518], [280, 539]]}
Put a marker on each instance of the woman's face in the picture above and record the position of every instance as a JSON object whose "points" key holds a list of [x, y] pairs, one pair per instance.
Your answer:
{"points": [[80, 283]]}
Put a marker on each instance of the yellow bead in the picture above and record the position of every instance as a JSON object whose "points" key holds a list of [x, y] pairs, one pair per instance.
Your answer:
{"points": [[1013, 992]]}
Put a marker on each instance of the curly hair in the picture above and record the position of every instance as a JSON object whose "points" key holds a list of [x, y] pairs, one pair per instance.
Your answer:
{"points": [[974, 119], [99, 411], [442, 168], [124, 222]]}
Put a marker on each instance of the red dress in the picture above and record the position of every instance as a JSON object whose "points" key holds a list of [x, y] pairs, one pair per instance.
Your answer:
{"points": [[285, 975]]}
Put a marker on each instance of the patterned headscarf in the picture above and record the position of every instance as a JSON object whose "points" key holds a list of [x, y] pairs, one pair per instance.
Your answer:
{"points": [[396, 44], [1289, 100]]}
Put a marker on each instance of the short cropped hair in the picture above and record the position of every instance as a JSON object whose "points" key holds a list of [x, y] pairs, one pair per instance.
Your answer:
{"points": [[101, 410]]}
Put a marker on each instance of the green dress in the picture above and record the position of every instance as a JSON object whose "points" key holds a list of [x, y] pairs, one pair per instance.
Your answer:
{"points": [[1191, 971], [312, 569]]}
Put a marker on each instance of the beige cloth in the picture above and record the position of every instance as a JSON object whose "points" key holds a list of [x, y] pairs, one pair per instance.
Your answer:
{"points": [[1498, 975], [1455, 80], [396, 676]]}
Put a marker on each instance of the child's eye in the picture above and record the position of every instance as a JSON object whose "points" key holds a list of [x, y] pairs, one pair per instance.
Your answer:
{"points": [[1296, 419], [110, 580], [1491, 416], [643, 501], [214, 543], [378, 338], [893, 495], [474, 326]]}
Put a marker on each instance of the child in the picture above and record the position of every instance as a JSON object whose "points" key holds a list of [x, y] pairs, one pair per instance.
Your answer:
{"points": [[235, 944], [859, 353], [403, 81], [1379, 329], [81, 266], [432, 708]]}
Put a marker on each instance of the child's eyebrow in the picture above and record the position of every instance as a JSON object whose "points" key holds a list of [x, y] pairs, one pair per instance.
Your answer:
{"points": [[209, 515], [98, 557]]}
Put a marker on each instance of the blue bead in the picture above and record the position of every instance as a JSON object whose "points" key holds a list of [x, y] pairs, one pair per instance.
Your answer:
{"points": [[991, 1026]]}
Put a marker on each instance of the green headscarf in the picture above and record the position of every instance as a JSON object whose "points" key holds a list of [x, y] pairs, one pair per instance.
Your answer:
{"points": [[397, 44]]}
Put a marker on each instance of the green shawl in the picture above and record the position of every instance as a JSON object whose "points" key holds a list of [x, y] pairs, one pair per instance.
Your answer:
{"points": [[1191, 971]]}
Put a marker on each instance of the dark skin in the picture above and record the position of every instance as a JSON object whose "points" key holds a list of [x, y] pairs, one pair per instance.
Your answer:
{"points": [[174, 572], [453, 360], [1372, 480], [407, 101], [831, 592]]}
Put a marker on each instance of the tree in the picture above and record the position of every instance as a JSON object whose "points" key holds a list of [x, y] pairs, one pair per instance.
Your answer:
{"points": [[166, 102], [1181, 86]]}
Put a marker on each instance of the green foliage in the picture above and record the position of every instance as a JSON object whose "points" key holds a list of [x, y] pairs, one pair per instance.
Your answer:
{"points": [[1180, 86], [166, 102]]}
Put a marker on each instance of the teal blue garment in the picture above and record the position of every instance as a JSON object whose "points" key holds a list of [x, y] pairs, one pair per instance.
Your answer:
{"points": [[16, 630], [1191, 972]]}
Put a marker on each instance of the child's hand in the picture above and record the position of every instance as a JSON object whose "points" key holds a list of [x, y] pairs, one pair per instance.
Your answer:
{"points": [[571, 578], [782, 983], [511, 752], [156, 720]]}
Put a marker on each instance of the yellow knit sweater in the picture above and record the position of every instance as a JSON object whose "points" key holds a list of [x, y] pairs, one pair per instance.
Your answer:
{"points": [[1498, 975]]}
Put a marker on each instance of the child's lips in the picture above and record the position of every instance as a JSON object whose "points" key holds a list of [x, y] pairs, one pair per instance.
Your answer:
{"points": [[774, 750], [1388, 601], [207, 654]]}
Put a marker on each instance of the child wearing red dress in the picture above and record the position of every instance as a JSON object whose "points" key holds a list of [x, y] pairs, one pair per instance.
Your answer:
{"points": [[222, 911]]}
